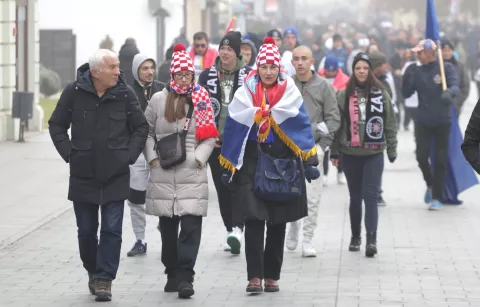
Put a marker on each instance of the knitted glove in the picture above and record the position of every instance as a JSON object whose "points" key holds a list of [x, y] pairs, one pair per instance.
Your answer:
{"points": [[447, 97], [392, 159], [311, 173]]}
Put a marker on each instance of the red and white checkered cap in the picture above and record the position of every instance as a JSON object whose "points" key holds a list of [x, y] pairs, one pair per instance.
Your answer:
{"points": [[181, 60], [269, 53]]}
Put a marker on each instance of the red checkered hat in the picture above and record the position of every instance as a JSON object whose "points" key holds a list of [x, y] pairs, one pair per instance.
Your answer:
{"points": [[268, 53], [181, 60]]}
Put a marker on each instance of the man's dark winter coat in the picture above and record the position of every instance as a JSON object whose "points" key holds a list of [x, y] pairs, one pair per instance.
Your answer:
{"points": [[107, 134], [125, 56]]}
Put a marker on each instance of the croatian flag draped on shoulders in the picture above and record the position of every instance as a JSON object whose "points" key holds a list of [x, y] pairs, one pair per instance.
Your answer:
{"points": [[278, 109], [460, 175]]}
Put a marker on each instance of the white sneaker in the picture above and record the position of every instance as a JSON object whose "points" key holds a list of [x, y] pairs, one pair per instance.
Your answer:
{"points": [[341, 178], [225, 246], [308, 249], [292, 235], [325, 181], [234, 240]]}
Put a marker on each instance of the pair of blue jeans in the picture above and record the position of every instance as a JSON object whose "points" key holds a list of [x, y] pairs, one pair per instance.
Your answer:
{"points": [[101, 259]]}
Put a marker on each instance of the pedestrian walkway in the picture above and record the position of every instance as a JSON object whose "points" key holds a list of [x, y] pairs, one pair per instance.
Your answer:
{"points": [[33, 185], [425, 258]]}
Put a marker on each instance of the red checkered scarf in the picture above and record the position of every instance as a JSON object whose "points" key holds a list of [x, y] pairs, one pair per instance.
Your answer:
{"points": [[204, 118]]}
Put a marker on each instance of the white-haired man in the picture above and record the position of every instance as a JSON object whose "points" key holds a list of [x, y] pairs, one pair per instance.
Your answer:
{"points": [[108, 133]]}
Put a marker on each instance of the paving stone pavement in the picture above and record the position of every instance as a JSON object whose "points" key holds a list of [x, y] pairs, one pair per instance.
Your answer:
{"points": [[425, 258], [28, 173]]}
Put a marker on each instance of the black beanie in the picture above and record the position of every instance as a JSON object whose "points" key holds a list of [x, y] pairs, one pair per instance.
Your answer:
{"points": [[233, 39], [361, 57], [274, 33], [447, 42]]}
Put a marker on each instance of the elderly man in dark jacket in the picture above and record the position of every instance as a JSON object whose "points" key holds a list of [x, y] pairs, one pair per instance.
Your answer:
{"points": [[433, 118], [108, 133]]}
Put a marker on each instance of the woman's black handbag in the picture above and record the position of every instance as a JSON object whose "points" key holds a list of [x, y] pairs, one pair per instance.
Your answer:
{"points": [[278, 179], [171, 149]]}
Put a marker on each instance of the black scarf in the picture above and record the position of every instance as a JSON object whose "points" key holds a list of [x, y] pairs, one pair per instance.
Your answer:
{"points": [[374, 136]]}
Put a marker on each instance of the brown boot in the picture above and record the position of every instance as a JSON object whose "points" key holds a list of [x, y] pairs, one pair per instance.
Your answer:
{"points": [[91, 283], [271, 285], [103, 290], [255, 285]]}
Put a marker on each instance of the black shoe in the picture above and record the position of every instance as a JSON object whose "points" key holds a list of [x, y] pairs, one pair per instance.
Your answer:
{"points": [[91, 283], [103, 290], [355, 243], [185, 289], [138, 249], [381, 202], [171, 286], [371, 249]]}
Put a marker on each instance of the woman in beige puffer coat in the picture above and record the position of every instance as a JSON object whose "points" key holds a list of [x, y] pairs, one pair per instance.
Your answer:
{"points": [[180, 194]]}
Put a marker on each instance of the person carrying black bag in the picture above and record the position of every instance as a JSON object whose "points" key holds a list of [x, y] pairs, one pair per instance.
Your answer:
{"points": [[267, 154], [181, 138]]}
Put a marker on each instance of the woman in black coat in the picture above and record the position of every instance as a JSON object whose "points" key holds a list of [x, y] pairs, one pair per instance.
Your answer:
{"points": [[271, 107]]}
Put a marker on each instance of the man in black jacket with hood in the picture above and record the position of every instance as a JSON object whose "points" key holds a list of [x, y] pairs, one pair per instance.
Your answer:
{"points": [[108, 133], [145, 87]]}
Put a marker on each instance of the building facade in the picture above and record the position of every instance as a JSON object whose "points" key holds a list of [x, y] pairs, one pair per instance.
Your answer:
{"points": [[19, 63]]}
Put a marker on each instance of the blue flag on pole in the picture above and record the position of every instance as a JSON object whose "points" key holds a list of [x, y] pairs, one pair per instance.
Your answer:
{"points": [[460, 175], [433, 29]]}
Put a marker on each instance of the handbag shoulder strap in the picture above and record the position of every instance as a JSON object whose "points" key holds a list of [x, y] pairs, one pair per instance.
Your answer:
{"points": [[186, 125]]}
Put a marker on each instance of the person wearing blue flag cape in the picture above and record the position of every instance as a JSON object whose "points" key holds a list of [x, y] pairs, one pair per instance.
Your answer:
{"points": [[433, 119], [459, 175]]}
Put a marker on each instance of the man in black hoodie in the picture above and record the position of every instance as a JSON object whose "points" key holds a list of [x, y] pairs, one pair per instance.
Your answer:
{"points": [[145, 87]]}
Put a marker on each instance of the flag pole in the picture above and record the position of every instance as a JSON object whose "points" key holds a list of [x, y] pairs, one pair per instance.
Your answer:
{"points": [[442, 66], [231, 25]]}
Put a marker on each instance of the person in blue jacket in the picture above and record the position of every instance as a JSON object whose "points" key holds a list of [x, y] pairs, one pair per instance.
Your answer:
{"points": [[433, 119]]}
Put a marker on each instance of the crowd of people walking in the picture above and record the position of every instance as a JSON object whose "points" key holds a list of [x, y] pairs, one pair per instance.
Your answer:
{"points": [[267, 117]]}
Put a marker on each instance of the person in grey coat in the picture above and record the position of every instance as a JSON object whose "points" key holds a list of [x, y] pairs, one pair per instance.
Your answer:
{"points": [[322, 108], [179, 195]]}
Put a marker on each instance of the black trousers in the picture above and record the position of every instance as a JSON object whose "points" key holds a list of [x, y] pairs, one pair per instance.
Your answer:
{"points": [[408, 117], [100, 258], [264, 259], [423, 137], [223, 193], [179, 252], [364, 176]]}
